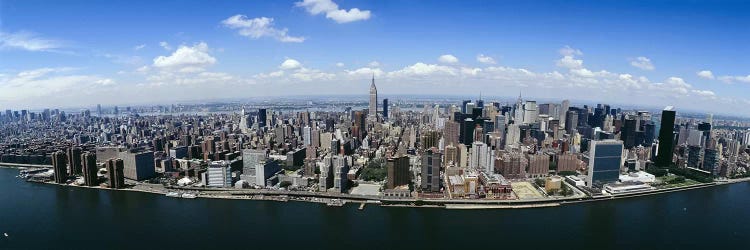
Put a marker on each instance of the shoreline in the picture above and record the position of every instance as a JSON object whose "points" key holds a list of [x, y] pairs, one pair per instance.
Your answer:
{"points": [[340, 200]]}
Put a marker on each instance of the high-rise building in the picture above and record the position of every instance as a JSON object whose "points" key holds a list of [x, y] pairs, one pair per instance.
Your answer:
{"points": [[666, 138], [538, 165], [90, 169], [398, 171], [571, 122], [605, 160], [451, 133], [74, 160], [385, 109], [219, 174], [564, 111], [373, 111], [59, 165], [262, 117], [340, 166], [115, 173], [138, 165], [431, 162]]}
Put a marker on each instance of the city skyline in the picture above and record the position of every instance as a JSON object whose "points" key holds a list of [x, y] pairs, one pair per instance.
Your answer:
{"points": [[83, 54]]}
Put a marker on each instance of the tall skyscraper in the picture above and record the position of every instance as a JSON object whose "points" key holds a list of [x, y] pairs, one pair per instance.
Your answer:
{"points": [[115, 168], [398, 171], [59, 165], [605, 159], [385, 109], [564, 111], [74, 160], [666, 138], [373, 112], [431, 162], [571, 122], [262, 117], [90, 169]]}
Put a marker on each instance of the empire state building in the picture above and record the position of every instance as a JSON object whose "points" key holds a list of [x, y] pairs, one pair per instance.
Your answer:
{"points": [[373, 112]]}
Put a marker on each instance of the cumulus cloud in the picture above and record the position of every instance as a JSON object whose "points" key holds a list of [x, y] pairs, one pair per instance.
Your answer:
{"points": [[139, 47], [364, 72], [569, 61], [333, 12], [186, 59], [707, 74], [290, 64], [24, 40], [642, 62], [449, 59], [339, 64], [422, 70], [259, 27], [374, 64], [485, 59]]}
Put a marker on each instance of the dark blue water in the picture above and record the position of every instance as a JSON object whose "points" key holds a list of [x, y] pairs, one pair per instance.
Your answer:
{"points": [[43, 216]]}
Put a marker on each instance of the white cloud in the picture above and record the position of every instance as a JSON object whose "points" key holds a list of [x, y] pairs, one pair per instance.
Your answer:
{"points": [[139, 47], [569, 62], [364, 72], [449, 59], [186, 59], [165, 45], [568, 51], [422, 70], [40, 85], [259, 27], [374, 64], [290, 64], [339, 64], [332, 11], [642, 62], [485, 59], [28, 41], [707, 74], [704, 93], [733, 79]]}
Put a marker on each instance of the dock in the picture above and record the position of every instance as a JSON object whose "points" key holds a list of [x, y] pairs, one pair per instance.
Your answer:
{"points": [[362, 206]]}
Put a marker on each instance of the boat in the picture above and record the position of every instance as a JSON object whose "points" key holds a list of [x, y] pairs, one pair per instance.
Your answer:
{"points": [[189, 196], [6, 234], [173, 194]]}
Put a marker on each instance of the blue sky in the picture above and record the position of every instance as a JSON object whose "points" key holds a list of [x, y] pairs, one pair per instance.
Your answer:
{"points": [[68, 53]]}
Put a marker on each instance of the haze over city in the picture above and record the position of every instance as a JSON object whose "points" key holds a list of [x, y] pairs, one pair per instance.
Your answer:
{"points": [[74, 53]]}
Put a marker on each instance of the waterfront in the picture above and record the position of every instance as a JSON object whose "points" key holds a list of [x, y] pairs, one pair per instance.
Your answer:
{"points": [[50, 216]]}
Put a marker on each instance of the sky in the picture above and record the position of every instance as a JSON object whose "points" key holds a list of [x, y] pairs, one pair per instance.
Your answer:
{"points": [[694, 55]]}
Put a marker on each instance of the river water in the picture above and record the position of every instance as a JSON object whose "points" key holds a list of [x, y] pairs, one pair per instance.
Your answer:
{"points": [[39, 216]]}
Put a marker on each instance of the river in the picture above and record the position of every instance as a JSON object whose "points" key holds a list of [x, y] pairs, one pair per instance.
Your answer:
{"points": [[39, 216]]}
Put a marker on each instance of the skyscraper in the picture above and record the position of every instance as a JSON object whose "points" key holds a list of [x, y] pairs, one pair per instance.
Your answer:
{"points": [[59, 165], [431, 162], [666, 138], [385, 109], [373, 112], [605, 159], [115, 168], [564, 111], [74, 160], [398, 171], [90, 169]]}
